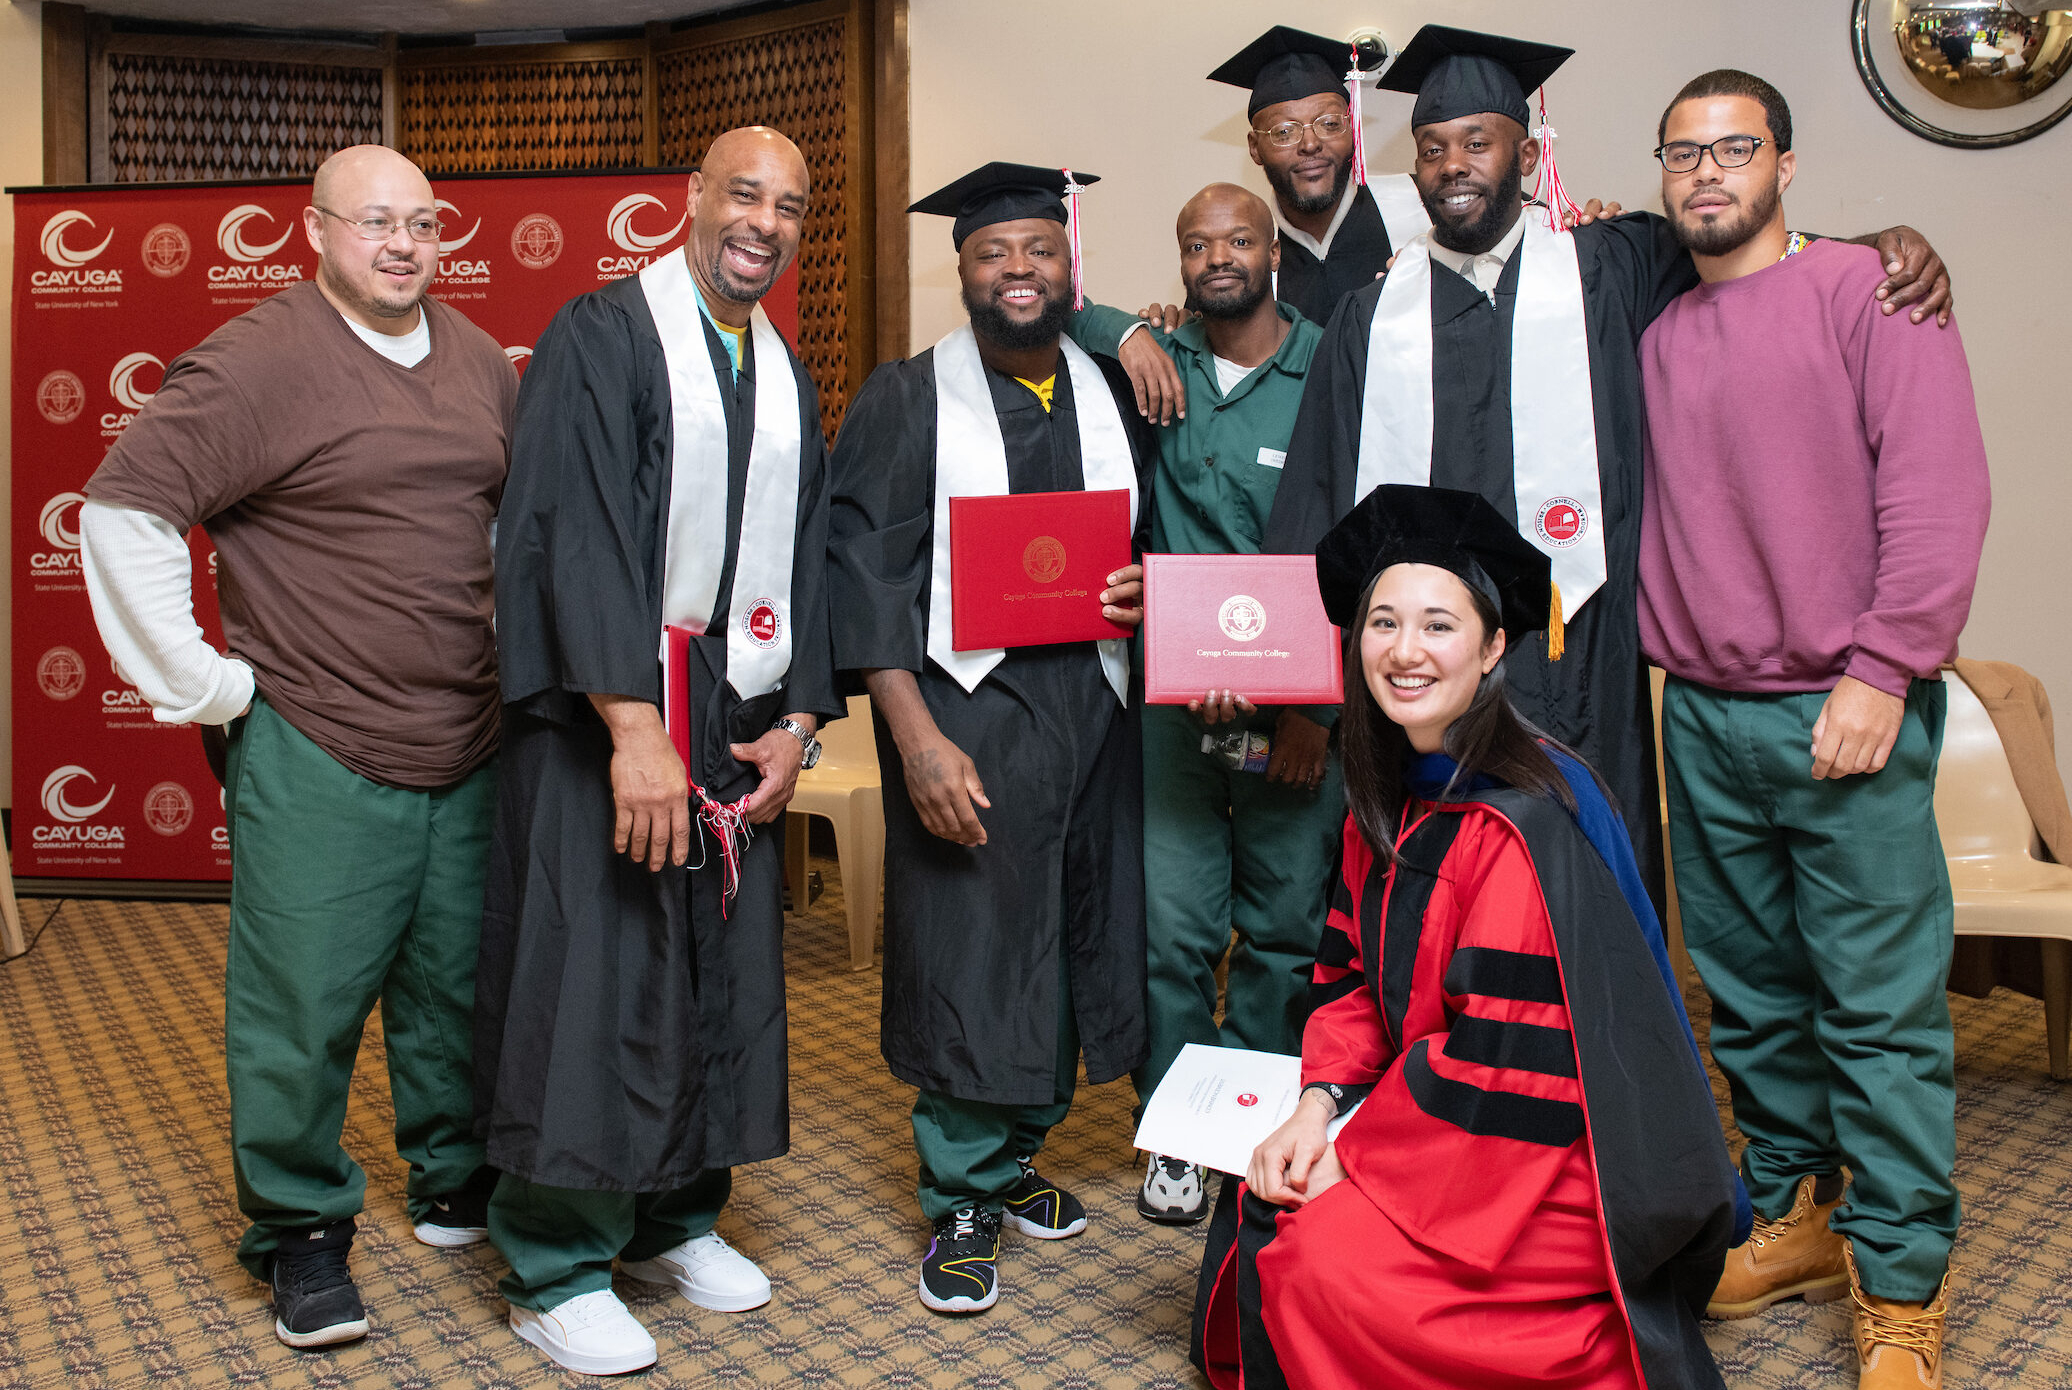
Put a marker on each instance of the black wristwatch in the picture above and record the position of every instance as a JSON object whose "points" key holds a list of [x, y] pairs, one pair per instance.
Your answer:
{"points": [[809, 744]]}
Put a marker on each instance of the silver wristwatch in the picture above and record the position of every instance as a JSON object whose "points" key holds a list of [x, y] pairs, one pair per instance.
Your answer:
{"points": [[809, 744]]}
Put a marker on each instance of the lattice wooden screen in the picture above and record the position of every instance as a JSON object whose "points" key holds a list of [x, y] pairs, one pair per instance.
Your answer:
{"points": [[484, 117], [206, 118], [792, 79]]}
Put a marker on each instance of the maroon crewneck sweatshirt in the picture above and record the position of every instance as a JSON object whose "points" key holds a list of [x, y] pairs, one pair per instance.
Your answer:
{"points": [[1816, 483]]}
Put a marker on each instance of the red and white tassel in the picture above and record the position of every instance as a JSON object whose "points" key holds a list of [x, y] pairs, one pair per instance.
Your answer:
{"points": [[1073, 188], [729, 826], [1561, 210], [1353, 83]]}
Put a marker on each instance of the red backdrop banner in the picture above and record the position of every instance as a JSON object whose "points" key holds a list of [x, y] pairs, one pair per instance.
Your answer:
{"points": [[111, 284]]}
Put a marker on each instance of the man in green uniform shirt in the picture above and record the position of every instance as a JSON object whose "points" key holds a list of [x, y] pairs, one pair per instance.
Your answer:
{"points": [[1225, 849]]}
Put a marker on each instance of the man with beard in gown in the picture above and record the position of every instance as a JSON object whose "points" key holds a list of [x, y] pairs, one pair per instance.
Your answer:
{"points": [[667, 473], [1501, 358], [1014, 915]]}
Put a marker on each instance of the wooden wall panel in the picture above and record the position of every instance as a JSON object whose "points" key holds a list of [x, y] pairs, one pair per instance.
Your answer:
{"points": [[495, 110], [173, 115]]}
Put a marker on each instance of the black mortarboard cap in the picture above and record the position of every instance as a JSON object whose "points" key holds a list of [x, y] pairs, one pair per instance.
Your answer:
{"points": [[1458, 531], [1000, 192], [1458, 72], [1286, 64]]}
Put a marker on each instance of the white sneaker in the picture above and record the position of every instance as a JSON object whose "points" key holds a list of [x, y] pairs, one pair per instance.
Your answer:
{"points": [[1175, 1192], [591, 1333], [707, 1271]]}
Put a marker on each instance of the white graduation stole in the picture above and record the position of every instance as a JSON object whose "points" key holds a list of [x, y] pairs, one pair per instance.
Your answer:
{"points": [[1553, 422], [695, 544], [971, 461]]}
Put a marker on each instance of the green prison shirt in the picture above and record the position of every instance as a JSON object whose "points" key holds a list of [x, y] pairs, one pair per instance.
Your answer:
{"points": [[1218, 468]]}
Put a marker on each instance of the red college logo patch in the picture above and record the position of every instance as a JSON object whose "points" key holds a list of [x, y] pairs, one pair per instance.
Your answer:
{"points": [[1248, 1099], [536, 241], [61, 673], [166, 250], [1562, 521], [60, 397], [762, 623], [168, 808]]}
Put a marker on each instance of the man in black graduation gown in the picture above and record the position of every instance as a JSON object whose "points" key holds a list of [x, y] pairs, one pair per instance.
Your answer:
{"points": [[1014, 928], [1334, 236], [1470, 125], [667, 469]]}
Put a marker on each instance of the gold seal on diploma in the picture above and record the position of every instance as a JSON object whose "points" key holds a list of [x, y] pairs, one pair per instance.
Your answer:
{"points": [[1044, 560]]}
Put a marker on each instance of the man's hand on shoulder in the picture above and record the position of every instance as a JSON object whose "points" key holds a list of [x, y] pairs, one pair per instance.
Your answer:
{"points": [[1914, 275], [1160, 394], [1592, 211]]}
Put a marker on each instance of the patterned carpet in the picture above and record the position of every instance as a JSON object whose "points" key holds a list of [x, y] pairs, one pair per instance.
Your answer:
{"points": [[116, 1239]]}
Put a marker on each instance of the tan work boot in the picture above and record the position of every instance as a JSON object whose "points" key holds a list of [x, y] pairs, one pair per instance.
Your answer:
{"points": [[1796, 1256], [1898, 1345]]}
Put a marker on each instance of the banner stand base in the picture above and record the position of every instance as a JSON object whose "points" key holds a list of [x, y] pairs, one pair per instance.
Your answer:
{"points": [[139, 889]]}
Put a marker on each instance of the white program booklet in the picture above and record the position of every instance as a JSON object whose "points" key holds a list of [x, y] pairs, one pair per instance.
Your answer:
{"points": [[1217, 1103]]}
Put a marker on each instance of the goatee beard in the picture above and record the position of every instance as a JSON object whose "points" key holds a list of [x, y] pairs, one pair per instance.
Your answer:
{"points": [[991, 322], [735, 288], [1232, 304], [1725, 234], [1284, 190], [1502, 202]]}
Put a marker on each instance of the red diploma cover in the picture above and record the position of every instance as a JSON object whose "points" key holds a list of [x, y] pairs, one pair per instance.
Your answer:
{"points": [[1250, 624], [1028, 568]]}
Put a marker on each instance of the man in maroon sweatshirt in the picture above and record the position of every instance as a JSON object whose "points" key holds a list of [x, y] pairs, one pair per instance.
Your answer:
{"points": [[1816, 499]]}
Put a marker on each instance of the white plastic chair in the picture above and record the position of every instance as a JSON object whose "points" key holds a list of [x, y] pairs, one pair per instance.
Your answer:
{"points": [[2000, 874], [844, 789]]}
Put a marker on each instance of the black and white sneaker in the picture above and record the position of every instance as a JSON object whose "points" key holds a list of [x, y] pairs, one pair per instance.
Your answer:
{"points": [[314, 1301], [456, 1219], [1175, 1192], [959, 1274], [1039, 1207]]}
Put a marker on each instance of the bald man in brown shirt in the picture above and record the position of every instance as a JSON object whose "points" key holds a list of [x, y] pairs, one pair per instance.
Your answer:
{"points": [[344, 445]]}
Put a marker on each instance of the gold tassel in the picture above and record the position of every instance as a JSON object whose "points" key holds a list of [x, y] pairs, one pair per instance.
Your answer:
{"points": [[1556, 636]]}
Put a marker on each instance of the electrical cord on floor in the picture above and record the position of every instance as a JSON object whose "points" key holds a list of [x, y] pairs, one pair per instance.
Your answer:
{"points": [[54, 913]]}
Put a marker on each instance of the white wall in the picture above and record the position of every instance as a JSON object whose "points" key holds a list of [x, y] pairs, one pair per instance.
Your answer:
{"points": [[21, 161], [1116, 85]]}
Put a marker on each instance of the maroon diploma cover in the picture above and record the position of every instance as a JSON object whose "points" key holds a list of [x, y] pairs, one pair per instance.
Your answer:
{"points": [[1250, 624], [1028, 568]]}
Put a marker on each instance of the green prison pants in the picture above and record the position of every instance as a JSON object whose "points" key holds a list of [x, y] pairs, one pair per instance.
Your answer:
{"points": [[560, 1243], [1230, 851], [345, 892], [1818, 914], [968, 1148]]}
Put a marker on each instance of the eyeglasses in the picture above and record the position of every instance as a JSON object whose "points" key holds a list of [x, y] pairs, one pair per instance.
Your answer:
{"points": [[1728, 152], [382, 228], [1327, 127]]}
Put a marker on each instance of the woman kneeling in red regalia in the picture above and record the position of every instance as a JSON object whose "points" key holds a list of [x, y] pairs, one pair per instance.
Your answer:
{"points": [[1534, 1190]]}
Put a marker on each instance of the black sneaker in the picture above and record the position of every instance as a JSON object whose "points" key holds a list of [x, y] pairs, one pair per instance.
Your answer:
{"points": [[1040, 1208], [314, 1301], [456, 1219], [1175, 1192], [958, 1274]]}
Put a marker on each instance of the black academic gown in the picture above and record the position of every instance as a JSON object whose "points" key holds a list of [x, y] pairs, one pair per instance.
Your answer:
{"points": [[972, 936], [1357, 255], [628, 1034], [1595, 699]]}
